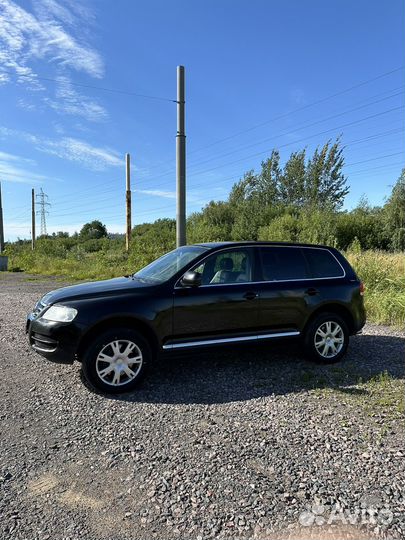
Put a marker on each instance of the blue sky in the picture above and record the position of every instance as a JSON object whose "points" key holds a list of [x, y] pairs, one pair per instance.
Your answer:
{"points": [[259, 74]]}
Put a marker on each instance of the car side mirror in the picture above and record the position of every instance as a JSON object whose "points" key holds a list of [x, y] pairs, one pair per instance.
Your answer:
{"points": [[191, 279]]}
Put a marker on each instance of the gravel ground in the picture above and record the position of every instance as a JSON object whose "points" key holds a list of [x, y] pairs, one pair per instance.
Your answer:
{"points": [[242, 443]]}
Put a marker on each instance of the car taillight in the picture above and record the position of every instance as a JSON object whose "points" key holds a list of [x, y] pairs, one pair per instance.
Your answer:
{"points": [[362, 288]]}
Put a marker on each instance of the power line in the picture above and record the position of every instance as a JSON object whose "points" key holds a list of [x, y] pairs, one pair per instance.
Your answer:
{"points": [[63, 206], [89, 86], [99, 209], [65, 203], [304, 139], [388, 166], [294, 111], [71, 199], [152, 210], [165, 207], [238, 176], [322, 100], [103, 199], [298, 128], [376, 158], [111, 206], [300, 140]]}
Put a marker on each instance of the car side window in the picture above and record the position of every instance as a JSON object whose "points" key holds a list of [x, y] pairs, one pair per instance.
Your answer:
{"points": [[283, 263], [233, 266], [322, 263]]}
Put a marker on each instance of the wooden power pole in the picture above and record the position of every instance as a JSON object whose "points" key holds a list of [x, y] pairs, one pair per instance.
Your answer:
{"points": [[1, 226], [180, 161], [128, 200], [32, 219]]}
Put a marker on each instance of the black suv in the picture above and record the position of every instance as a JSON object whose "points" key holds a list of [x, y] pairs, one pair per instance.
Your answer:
{"points": [[201, 295]]}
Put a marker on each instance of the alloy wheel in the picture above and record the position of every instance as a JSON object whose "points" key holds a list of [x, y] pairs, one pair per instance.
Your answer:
{"points": [[329, 339], [119, 362]]}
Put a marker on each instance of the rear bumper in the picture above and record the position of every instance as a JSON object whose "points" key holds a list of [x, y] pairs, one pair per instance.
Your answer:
{"points": [[359, 318], [55, 341]]}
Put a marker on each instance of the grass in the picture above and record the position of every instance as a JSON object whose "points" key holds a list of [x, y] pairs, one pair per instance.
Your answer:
{"points": [[384, 277], [382, 394], [386, 393]]}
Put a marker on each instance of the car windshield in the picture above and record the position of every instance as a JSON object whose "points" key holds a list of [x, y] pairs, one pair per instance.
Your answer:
{"points": [[167, 266]]}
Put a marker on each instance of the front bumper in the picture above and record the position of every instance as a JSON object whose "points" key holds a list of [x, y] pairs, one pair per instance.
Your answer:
{"points": [[56, 341]]}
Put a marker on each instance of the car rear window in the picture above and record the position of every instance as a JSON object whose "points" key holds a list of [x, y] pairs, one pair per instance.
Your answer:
{"points": [[280, 263], [322, 263]]}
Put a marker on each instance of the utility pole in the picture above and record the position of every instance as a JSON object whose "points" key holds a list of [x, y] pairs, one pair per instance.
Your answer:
{"points": [[180, 162], [128, 200], [1, 226], [43, 203], [33, 219]]}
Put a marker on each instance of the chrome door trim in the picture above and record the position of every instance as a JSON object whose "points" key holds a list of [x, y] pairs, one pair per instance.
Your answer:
{"points": [[229, 340]]}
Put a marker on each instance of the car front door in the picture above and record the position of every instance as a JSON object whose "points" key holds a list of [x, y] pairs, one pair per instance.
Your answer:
{"points": [[225, 306]]}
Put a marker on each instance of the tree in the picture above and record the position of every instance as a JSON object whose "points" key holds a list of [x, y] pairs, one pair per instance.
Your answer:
{"points": [[93, 230], [395, 214], [242, 190], [268, 181], [284, 228], [325, 181], [293, 180], [255, 199], [213, 223], [262, 187]]}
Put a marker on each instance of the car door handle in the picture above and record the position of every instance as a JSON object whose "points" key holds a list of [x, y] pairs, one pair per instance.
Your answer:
{"points": [[250, 295], [311, 291]]}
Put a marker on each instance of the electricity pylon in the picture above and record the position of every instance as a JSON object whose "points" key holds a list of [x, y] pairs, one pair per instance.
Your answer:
{"points": [[43, 203]]}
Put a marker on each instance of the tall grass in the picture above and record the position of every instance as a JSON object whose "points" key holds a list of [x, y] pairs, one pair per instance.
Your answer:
{"points": [[384, 277]]}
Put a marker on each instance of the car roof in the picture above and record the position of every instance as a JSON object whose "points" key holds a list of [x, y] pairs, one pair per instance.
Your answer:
{"points": [[215, 245]]}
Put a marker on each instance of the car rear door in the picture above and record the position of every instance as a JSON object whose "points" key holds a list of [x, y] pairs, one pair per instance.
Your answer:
{"points": [[296, 280], [284, 289]]}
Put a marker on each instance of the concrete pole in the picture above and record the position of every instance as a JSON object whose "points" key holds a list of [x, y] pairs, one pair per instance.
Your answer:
{"points": [[32, 219], [180, 161], [128, 200], [1, 226]]}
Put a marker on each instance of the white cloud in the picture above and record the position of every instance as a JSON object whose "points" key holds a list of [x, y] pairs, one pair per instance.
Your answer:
{"points": [[26, 104], [48, 9], [69, 101], [10, 171], [157, 193], [54, 33], [4, 156], [194, 197], [92, 157], [25, 37]]}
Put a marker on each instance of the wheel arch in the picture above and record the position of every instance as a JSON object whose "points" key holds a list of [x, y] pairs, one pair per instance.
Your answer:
{"points": [[337, 309], [118, 322]]}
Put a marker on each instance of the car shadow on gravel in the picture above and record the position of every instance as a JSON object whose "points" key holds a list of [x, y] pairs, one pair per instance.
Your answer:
{"points": [[223, 375]]}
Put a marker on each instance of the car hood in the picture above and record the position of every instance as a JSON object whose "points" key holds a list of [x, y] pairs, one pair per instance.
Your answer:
{"points": [[106, 287]]}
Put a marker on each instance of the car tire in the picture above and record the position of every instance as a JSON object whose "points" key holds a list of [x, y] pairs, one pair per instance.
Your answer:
{"points": [[116, 361], [326, 338]]}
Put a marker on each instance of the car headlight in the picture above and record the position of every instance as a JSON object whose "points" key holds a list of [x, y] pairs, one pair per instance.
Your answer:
{"points": [[60, 314]]}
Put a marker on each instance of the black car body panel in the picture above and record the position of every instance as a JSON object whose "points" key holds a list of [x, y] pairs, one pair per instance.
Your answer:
{"points": [[176, 316]]}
